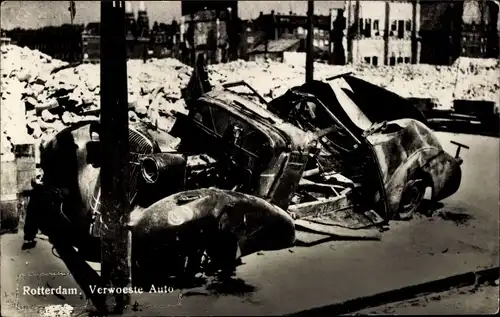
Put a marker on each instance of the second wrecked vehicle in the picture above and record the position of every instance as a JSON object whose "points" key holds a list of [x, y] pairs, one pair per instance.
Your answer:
{"points": [[376, 139]]}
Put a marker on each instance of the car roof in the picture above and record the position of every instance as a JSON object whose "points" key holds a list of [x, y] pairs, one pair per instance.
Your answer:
{"points": [[375, 102]]}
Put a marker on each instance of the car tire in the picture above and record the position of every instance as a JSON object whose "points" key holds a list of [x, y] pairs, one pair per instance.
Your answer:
{"points": [[412, 198]]}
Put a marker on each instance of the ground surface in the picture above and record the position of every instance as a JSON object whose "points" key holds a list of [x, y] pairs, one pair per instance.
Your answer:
{"points": [[483, 300], [462, 236]]}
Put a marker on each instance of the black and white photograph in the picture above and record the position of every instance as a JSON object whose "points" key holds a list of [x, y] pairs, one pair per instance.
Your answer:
{"points": [[249, 158]]}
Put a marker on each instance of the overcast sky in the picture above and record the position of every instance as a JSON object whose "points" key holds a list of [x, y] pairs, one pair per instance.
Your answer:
{"points": [[34, 14]]}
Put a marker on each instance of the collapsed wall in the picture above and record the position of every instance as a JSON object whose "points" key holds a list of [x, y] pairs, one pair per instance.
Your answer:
{"points": [[37, 100]]}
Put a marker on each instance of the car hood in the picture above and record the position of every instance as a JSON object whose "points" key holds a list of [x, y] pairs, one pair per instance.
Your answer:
{"points": [[283, 133]]}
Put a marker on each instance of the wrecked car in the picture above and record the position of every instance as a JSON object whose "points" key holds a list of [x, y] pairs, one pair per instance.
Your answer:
{"points": [[231, 178], [378, 140]]}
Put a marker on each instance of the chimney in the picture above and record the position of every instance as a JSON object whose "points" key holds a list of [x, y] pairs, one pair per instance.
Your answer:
{"points": [[128, 7], [182, 29], [129, 18], [142, 6], [143, 19]]}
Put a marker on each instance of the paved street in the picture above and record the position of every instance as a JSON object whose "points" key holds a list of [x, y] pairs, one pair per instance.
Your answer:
{"points": [[460, 237], [464, 301]]}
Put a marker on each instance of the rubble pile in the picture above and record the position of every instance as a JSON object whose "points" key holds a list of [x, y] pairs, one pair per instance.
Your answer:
{"points": [[472, 79], [56, 311], [41, 95]]}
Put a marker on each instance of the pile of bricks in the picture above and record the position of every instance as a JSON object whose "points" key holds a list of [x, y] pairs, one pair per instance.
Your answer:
{"points": [[471, 79], [38, 99], [41, 95]]}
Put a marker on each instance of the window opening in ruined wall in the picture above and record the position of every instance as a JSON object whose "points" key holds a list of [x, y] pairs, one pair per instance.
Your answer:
{"points": [[368, 28], [376, 27], [401, 30], [408, 25]]}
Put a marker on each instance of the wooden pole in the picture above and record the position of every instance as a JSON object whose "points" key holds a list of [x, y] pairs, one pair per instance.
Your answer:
{"points": [[310, 47], [193, 49], [331, 58], [387, 31], [115, 241], [356, 33], [72, 11], [414, 43]]}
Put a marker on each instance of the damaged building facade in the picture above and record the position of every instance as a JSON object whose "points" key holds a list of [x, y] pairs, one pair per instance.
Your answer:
{"points": [[480, 29], [374, 32], [421, 31], [383, 32], [210, 28], [138, 35], [458, 28], [269, 30], [392, 32], [379, 32]]}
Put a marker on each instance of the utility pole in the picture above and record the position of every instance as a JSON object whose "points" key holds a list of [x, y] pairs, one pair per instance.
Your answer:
{"points": [[331, 58], [72, 11], [310, 48], [192, 51], [115, 239], [414, 43], [387, 31]]}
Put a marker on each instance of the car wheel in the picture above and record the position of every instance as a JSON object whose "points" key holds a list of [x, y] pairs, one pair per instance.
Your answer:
{"points": [[412, 198]]}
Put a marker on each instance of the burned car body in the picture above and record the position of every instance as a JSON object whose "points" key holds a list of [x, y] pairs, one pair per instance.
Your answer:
{"points": [[191, 222], [243, 177], [259, 153], [387, 128], [229, 159], [204, 230]]}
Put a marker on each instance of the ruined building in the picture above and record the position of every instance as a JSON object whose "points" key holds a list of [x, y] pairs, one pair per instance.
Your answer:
{"points": [[212, 28], [328, 35], [440, 30], [480, 29], [450, 29], [143, 20], [137, 34], [383, 32]]}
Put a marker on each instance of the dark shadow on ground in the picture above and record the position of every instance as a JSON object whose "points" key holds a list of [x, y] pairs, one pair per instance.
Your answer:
{"points": [[228, 286], [314, 243], [455, 214], [429, 208], [209, 283], [459, 218], [231, 286], [300, 243]]}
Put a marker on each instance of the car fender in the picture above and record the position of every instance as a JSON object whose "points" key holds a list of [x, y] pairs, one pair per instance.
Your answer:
{"points": [[192, 218], [396, 183], [446, 175]]}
